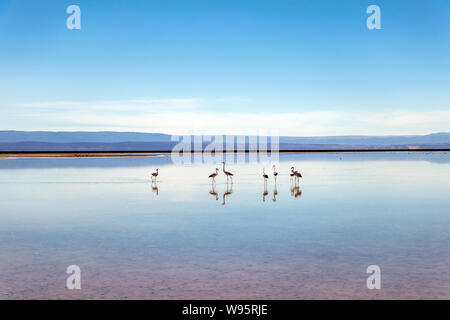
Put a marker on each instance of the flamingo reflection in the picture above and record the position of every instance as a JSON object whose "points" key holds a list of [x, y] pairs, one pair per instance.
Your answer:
{"points": [[155, 188], [296, 191], [227, 192], [213, 192], [265, 192]]}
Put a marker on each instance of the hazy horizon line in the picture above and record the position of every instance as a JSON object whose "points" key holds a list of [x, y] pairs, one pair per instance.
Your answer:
{"points": [[220, 134]]}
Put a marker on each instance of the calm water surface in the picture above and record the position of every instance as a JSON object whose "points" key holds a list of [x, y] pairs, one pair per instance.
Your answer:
{"points": [[184, 238]]}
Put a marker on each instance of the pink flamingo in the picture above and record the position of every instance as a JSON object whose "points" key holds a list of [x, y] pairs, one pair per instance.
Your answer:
{"points": [[154, 174], [214, 175], [227, 173], [275, 174], [292, 174], [265, 176]]}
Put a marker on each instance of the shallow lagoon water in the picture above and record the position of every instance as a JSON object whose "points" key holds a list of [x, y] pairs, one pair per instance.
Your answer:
{"points": [[182, 238]]}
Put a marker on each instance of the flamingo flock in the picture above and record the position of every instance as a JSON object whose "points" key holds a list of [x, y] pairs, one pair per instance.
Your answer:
{"points": [[294, 174]]}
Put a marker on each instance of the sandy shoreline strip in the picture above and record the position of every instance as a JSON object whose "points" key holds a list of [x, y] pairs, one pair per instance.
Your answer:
{"points": [[32, 155], [120, 154]]}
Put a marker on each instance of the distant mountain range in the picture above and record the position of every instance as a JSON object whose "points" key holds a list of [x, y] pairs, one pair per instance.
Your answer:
{"points": [[11, 141]]}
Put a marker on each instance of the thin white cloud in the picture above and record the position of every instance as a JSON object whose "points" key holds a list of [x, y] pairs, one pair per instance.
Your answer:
{"points": [[188, 116], [136, 105]]}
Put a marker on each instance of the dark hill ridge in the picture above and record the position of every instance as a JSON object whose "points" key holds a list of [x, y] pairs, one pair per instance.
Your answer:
{"points": [[135, 141], [81, 136]]}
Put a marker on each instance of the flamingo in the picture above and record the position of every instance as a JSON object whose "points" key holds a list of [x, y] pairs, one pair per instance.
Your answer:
{"points": [[275, 174], [297, 174], [228, 174], [154, 174], [214, 175], [265, 176], [292, 174]]}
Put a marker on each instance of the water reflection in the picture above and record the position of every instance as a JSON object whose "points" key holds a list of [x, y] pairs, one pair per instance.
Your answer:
{"points": [[275, 192], [265, 192], [155, 188], [352, 216], [227, 192], [296, 191], [213, 191]]}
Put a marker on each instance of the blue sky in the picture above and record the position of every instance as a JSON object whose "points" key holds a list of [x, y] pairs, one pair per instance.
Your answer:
{"points": [[296, 67]]}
